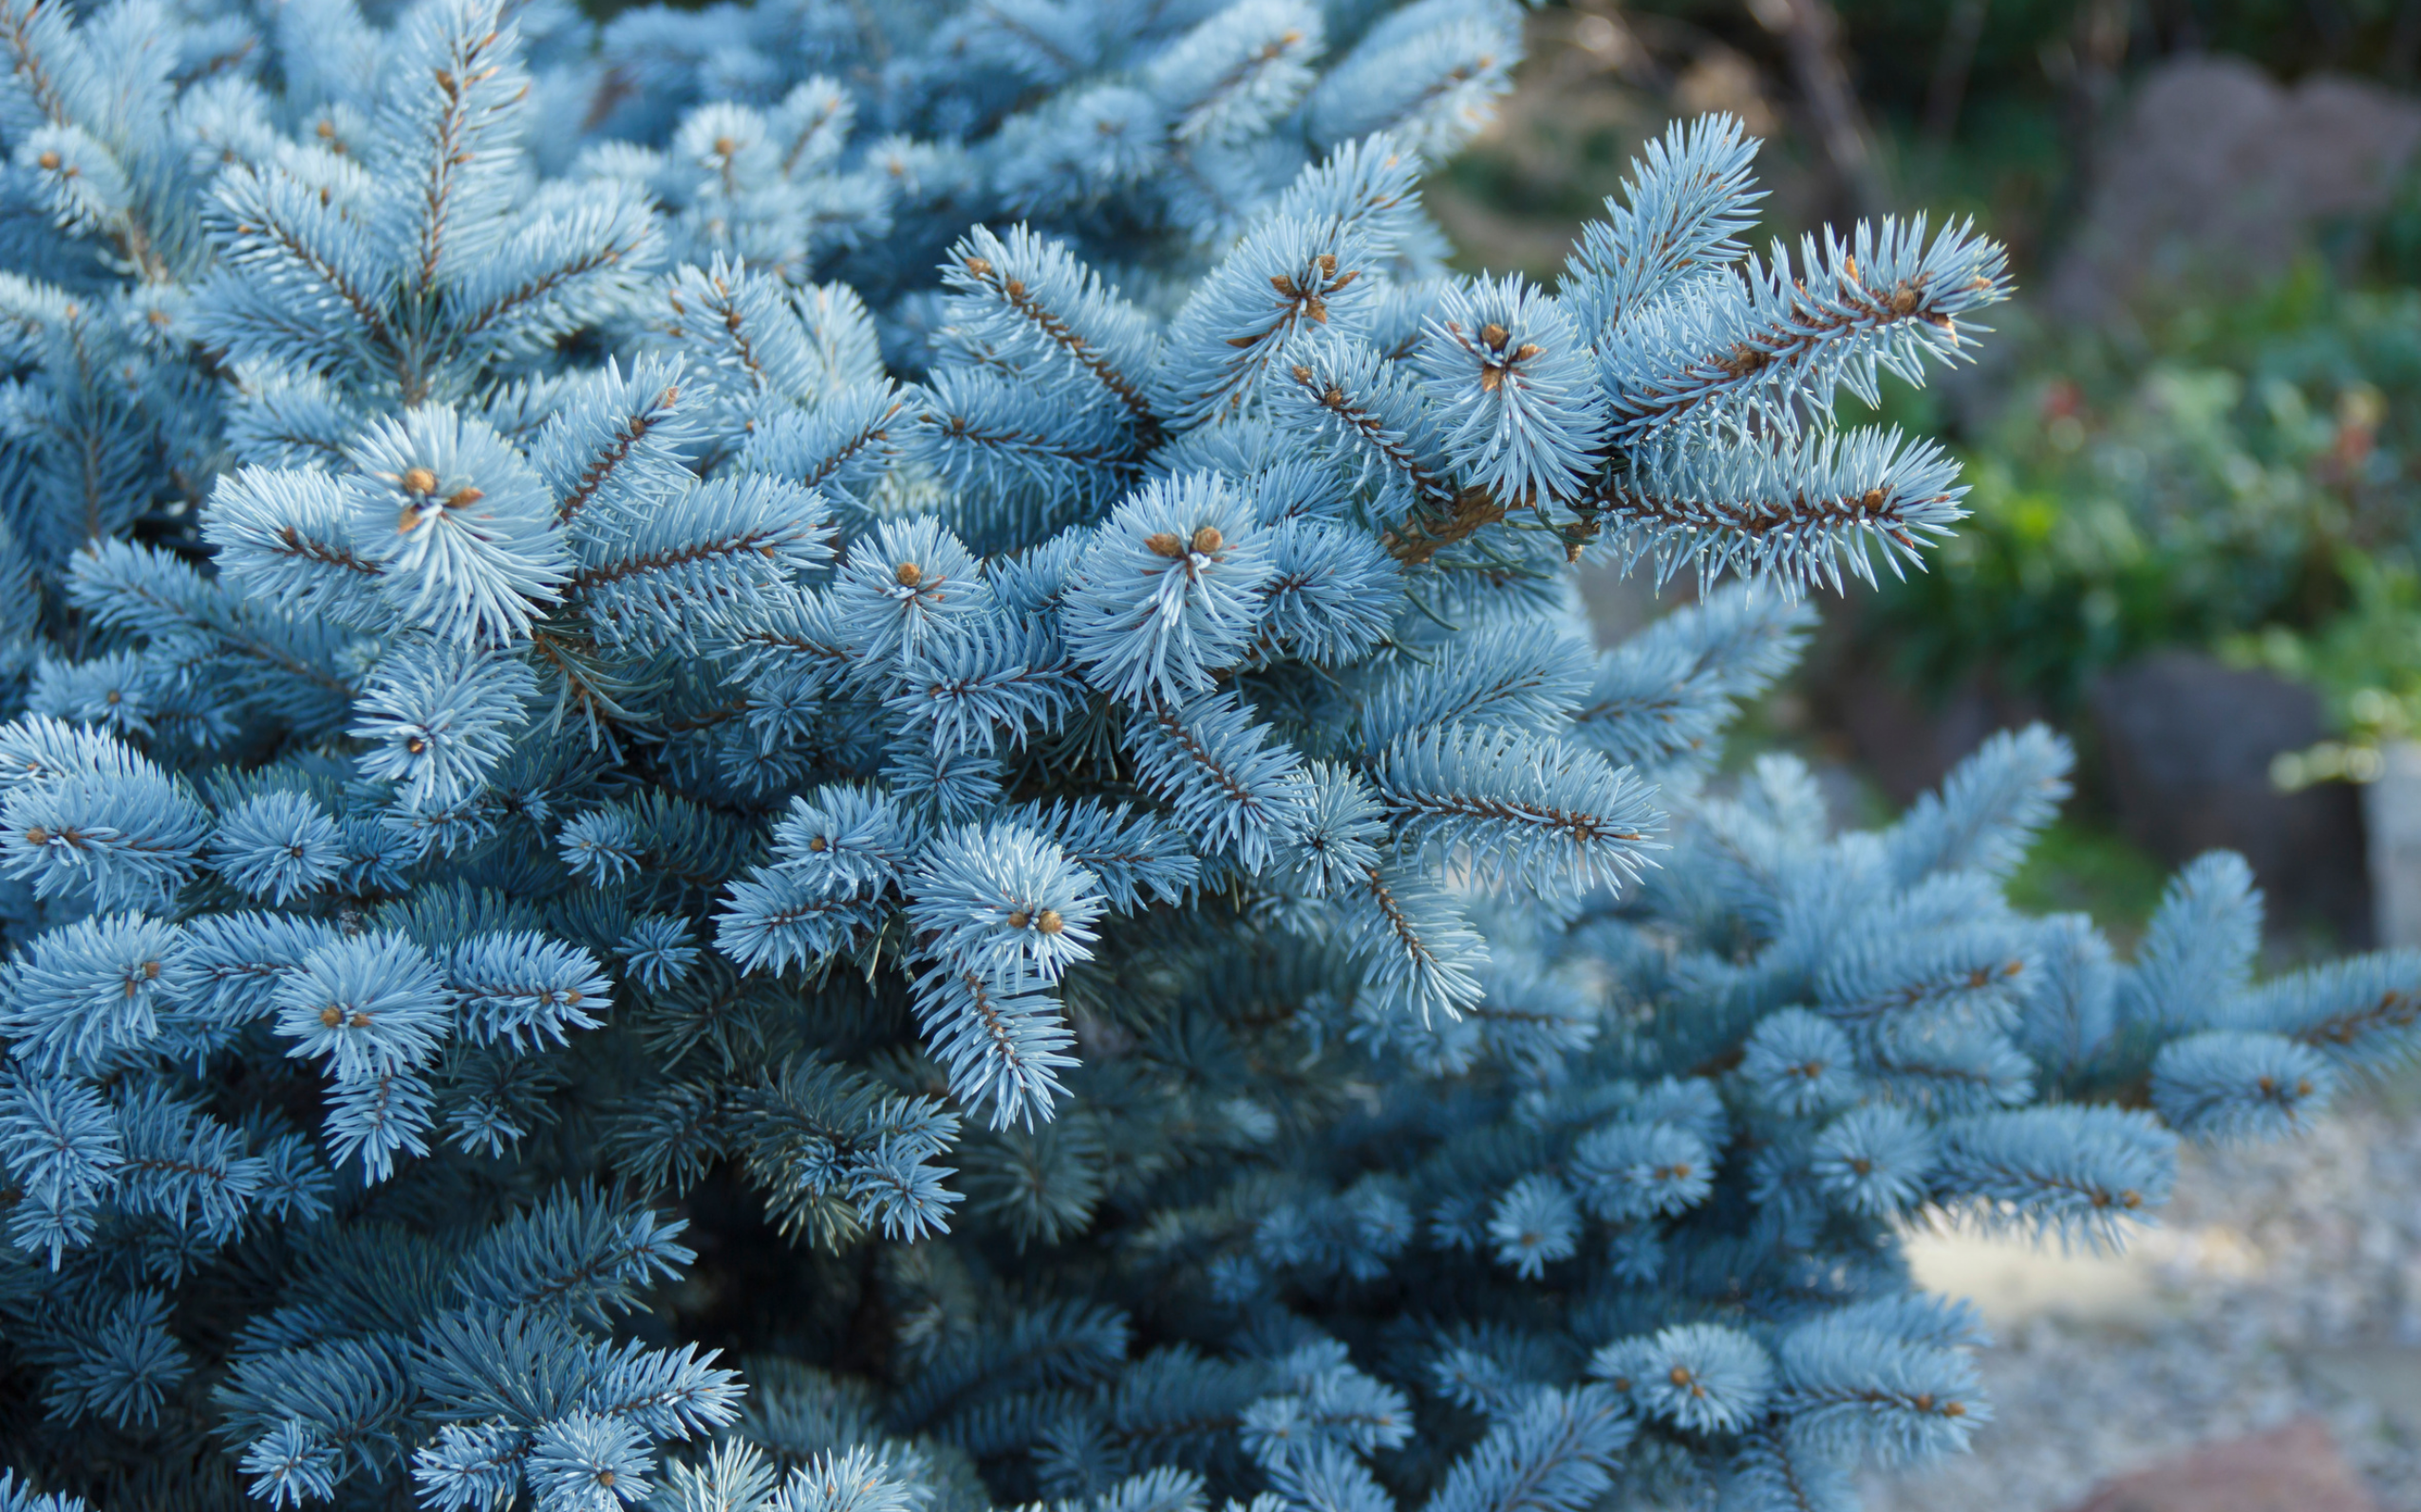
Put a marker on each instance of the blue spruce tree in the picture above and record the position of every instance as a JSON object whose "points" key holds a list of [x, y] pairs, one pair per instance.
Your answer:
{"points": [[839, 758]]}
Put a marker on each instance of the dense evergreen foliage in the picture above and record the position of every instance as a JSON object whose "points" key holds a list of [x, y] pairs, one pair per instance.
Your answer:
{"points": [[841, 757]]}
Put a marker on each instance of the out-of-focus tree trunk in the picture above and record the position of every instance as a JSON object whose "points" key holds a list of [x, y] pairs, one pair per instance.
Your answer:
{"points": [[1950, 66], [2404, 40], [1810, 31], [2085, 64]]}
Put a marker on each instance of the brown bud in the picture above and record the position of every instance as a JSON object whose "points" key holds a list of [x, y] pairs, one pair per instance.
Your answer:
{"points": [[1328, 264], [416, 745], [330, 1017], [979, 266], [325, 130], [819, 845], [1016, 288], [418, 480], [1302, 374], [48, 159], [1681, 1376], [725, 146], [112, 696], [1954, 1410], [151, 971], [1527, 350], [571, 997], [37, 836], [463, 498], [1493, 336], [359, 1020], [1018, 919], [1925, 1401], [1873, 500], [1903, 299], [605, 1478], [1208, 539], [1048, 921], [909, 575], [1165, 543]]}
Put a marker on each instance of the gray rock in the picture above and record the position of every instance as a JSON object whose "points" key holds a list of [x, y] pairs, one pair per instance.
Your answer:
{"points": [[2218, 177], [2392, 835], [2186, 746]]}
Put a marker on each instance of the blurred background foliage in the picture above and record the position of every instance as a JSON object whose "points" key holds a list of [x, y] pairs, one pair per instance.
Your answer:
{"points": [[2239, 478]]}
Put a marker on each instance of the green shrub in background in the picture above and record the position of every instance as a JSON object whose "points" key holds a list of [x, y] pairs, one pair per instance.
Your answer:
{"points": [[2366, 663], [2227, 483]]}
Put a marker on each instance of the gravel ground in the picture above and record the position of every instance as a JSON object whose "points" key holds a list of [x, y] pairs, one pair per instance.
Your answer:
{"points": [[2273, 1266]]}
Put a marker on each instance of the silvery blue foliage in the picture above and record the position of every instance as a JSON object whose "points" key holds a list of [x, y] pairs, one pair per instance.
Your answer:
{"points": [[822, 758]]}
